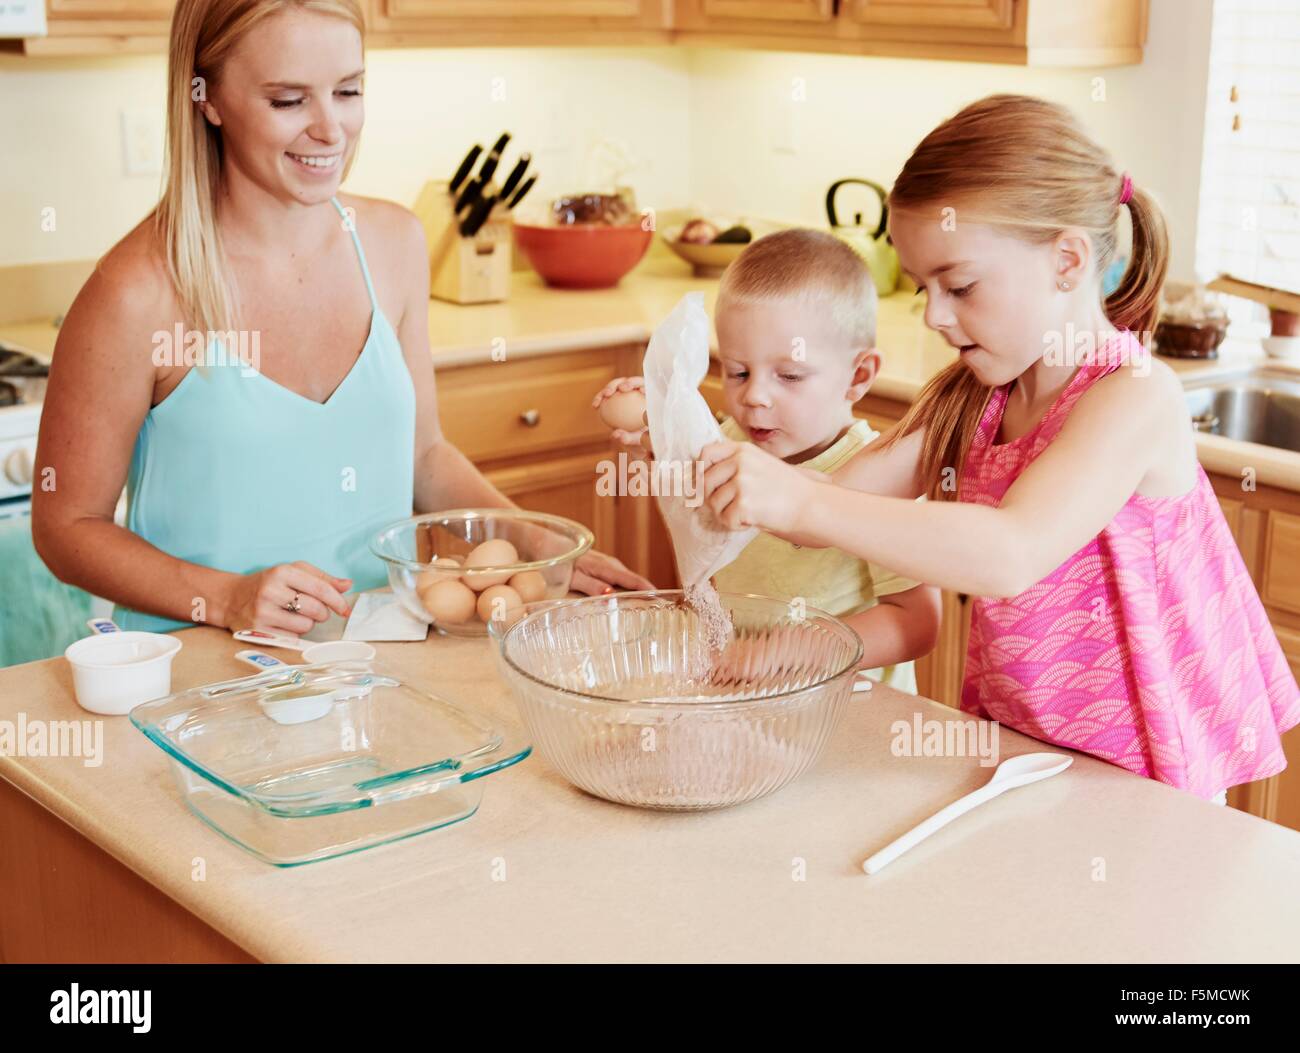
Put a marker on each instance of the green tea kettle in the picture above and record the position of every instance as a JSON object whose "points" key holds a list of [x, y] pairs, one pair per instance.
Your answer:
{"points": [[874, 247]]}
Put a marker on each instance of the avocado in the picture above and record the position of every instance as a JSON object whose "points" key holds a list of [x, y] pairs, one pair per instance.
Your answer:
{"points": [[734, 236]]}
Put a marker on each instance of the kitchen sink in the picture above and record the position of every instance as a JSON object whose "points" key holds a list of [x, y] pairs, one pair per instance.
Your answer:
{"points": [[1258, 405]]}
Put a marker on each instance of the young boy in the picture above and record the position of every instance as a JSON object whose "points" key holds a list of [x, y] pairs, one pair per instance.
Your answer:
{"points": [[796, 324]]}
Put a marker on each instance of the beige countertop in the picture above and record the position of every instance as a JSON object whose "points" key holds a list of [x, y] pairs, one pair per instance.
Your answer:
{"points": [[541, 320], [1092, 865]]}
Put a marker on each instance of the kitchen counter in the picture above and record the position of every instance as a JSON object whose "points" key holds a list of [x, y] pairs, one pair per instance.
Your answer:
{"points": [[540, 320], [1094, 864]]}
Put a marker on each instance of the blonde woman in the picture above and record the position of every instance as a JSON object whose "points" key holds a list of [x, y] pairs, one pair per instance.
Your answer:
{"points": [[258, 468]]}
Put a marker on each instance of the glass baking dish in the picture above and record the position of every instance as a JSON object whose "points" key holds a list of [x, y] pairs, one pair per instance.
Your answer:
{"points": [[372, 759]]}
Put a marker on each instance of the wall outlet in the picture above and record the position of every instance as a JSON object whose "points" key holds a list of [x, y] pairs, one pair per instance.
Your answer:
{"points": [[142, 141]]}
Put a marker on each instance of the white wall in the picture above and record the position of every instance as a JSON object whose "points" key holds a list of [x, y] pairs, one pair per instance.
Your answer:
{"points": [[700, 120], [60, 130]]}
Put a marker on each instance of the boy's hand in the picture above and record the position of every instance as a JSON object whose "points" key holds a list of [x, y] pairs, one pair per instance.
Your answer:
{"points": [[639, 439]]}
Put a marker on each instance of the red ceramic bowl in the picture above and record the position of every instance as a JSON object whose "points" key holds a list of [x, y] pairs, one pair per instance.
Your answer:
{"points": [[582, 256]]}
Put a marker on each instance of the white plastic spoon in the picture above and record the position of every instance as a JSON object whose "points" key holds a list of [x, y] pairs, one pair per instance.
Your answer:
{"points": [[1017, 771]]}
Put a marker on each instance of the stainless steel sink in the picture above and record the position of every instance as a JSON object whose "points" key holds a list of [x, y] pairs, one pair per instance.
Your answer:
{"points": [[1258, 405]]}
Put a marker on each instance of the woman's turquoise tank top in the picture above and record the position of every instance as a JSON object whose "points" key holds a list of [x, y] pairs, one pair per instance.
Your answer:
{"points": [[233, 471]]}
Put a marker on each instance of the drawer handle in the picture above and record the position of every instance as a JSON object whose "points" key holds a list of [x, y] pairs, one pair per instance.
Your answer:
{"points": [[531, 418]]}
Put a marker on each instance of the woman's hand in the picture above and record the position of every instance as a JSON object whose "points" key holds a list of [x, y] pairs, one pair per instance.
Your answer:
{"points": [[747, 487], [596, 574], [257, 601], [638, 440]]}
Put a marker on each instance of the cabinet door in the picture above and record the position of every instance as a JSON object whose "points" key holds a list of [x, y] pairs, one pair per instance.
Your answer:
{"points": [[111, 10], [939, 674], [489, 22], [933, 14], [564, 486], [732, 21], [721, 11], [101, 27]]}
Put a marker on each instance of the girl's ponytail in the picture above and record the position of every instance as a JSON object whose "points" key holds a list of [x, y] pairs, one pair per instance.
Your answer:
{"points": [[949, 408], [1136, 303]]}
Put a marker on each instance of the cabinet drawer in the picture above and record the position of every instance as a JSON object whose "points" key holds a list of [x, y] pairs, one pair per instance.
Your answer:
{"points": [[503, 409], [1282, 561]]}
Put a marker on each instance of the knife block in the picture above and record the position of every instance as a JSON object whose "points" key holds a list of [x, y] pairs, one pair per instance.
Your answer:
{"points": [[464, 270]]}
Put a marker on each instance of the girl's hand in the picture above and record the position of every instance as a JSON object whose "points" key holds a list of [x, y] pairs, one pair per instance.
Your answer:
{"points": [[596, 574], [639, 440], [256, 601], [747, 487]]}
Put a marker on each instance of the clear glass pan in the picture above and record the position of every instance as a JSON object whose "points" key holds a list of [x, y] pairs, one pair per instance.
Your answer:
{"points": [[384, 761]]}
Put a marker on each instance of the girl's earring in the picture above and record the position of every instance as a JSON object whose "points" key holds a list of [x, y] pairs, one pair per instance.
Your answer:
{"points": [[1063, 286]]}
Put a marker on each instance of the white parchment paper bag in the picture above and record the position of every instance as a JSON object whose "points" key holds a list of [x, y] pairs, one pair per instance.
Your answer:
{"points": [[681, 425]]}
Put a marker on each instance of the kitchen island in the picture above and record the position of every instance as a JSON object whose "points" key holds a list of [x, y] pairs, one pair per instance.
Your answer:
{"points": [[104, 863]]}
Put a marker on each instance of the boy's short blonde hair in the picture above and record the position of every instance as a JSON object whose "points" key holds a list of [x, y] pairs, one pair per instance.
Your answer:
{"points": [[808, 265]]}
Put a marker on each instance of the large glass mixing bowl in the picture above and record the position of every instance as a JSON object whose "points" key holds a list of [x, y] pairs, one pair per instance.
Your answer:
{"points": [[624, 697]]}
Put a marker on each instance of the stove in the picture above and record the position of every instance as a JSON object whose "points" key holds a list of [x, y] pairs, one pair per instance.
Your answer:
{"points": [[23, 378]]}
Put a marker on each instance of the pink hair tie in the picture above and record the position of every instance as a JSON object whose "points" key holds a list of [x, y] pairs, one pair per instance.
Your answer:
{"points": [[1126, 191]]}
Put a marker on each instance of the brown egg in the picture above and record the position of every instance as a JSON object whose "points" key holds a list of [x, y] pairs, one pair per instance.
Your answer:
{"points": [[449, 602], [624, 410], [495, 553], [500, 602], [432, 576], [530, 585]]}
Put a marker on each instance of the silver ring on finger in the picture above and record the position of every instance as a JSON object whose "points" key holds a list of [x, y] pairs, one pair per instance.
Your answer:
{"points": [[293, 606]]}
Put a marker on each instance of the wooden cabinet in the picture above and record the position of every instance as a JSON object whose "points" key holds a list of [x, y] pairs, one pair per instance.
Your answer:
{"points": [[570, 23], [1266, 524], [100, 27], [1022, 32]]}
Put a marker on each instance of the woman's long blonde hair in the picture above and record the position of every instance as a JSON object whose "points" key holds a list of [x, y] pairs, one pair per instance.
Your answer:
{"points": [[203, 33], [1025, 166]]}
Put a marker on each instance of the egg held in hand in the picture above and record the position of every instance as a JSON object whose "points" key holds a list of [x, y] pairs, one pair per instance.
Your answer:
{"points": [[625, 410]]}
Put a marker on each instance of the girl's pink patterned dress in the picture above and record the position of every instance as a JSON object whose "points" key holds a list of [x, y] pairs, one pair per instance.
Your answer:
{"points": [[1149, 647]]}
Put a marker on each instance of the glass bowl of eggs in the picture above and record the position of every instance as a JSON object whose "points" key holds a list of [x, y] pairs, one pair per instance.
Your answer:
{"points": [[460, 569]]}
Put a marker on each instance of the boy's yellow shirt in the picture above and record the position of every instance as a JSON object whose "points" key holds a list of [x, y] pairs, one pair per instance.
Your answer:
{"points": [[829, 578]]}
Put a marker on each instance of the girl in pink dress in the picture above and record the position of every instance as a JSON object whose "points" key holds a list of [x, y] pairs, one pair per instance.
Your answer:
{"points": [[1112, 611]]}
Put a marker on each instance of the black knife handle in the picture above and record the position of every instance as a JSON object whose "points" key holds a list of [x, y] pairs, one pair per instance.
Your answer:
{"points": [[465, 167], [494, 158], [478, 215], [513, 179], [473, 189], [519, 194]]}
